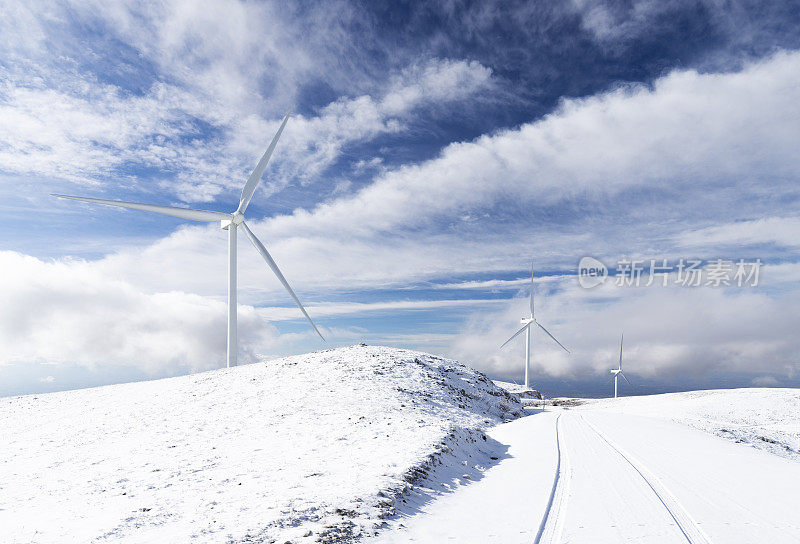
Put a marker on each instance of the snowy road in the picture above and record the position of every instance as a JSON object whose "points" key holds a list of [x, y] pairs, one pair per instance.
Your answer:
{"points": [[576, 476]]}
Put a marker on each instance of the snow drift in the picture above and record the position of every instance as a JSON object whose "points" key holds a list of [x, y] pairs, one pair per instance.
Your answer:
{"points": [[316, 447]]}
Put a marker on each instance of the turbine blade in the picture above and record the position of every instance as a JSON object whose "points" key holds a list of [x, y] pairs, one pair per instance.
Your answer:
{"points": [[531, 288], [252, 182], [553, 337], [183, 213], [267, 257], [620, 350], [515, 335], [626, 378]]}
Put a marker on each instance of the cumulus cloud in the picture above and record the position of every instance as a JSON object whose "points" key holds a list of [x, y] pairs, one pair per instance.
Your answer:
{"points": [[71, 312], [68, 312]]}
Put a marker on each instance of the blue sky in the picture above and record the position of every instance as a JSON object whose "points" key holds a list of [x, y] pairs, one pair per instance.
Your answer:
{"points": [[436, 149]]}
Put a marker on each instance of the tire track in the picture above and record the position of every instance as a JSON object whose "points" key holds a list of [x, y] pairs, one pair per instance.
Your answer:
{"points": [[552, 525], [687, 525]]}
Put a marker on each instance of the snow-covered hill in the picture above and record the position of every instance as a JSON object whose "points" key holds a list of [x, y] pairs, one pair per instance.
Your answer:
{"points": [[316, 447], [765, 418]]}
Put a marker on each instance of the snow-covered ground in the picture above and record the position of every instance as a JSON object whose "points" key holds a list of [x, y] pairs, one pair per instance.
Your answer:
{"points": [[393, 446], [764, 418], [318, 447], [601, 474]]}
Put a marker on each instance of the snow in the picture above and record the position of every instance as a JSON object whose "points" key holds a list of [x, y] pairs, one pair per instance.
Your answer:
{"points": [[764, 418], [317, 447], [524, 393], [498, 505], [717, 490], [631, 470], [392, 446]]}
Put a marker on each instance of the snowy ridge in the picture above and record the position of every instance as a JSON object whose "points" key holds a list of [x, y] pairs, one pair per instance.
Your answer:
{"points": [[764, 418], [317, 447]]}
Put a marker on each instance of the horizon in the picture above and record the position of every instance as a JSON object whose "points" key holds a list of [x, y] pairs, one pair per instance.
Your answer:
{"points": [[589, 388], [433, 153]]}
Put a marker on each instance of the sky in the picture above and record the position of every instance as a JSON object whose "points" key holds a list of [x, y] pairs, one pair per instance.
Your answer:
{"points": [[436, 152]]}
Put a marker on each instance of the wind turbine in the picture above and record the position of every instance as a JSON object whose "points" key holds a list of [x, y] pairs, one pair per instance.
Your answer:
{"points": [[618, 371], [229, 222], [526, 326]]}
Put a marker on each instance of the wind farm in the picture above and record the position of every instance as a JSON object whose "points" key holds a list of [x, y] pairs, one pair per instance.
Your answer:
{"points": [[473, 200]]}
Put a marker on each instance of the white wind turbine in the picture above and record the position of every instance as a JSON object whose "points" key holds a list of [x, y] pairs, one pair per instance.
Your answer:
{"points": [[617, 372], [526, 326], [229, 222]]}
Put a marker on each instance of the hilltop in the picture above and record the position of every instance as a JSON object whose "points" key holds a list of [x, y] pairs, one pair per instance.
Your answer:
{"points": [[316, 447]]}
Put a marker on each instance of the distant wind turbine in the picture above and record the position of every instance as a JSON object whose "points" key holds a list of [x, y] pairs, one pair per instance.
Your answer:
{"points": [[526, 326], [617, 372], [229, 222]]}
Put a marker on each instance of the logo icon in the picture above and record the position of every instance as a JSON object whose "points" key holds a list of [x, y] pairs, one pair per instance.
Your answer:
{"points": [[591, 272]]}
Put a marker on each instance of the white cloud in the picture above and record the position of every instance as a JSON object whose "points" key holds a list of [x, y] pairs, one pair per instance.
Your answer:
{"points": [[276, 313], [668, 331], [496, 284], [312, 144], [68, 312], [782, 231], [765, 381], [72, 312], [690, 135], [744, 28], [213, 82], [85, 135], [609, 23], [683, 137], [91, 133], [487, 284], [685, 133]]}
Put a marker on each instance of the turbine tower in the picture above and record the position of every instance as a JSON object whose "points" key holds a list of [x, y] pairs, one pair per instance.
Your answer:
{"points": [[617, 372], [229, 222], [526, 326]]}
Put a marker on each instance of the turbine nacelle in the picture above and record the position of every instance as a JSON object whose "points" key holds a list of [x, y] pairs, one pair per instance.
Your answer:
{"points": [[237, 218]]}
